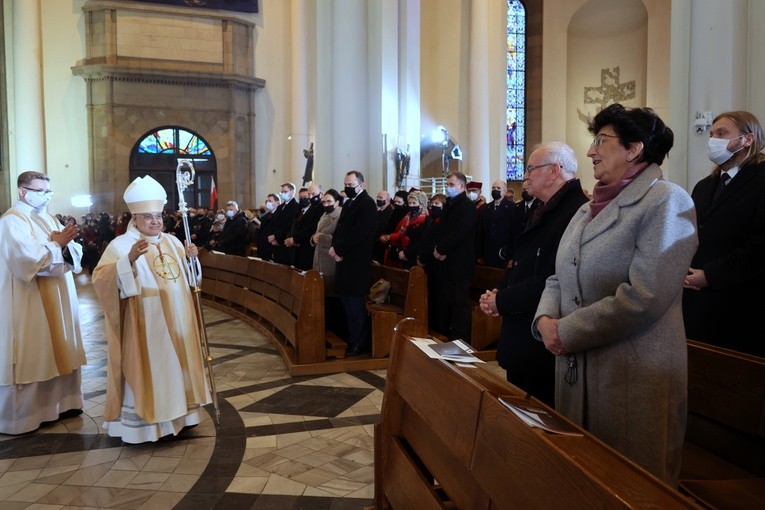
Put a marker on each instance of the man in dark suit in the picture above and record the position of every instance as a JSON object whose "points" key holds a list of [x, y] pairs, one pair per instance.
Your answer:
{"points": [[265, 249], [527, 205], [233, 239], [723, 289], [352, 244], [528, 364], [305, 226], [452, 260], [499, 225], [281, 225]]}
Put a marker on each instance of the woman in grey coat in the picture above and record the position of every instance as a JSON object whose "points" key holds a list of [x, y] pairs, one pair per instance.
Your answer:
{"points": [[612, 312], [322, 240]]}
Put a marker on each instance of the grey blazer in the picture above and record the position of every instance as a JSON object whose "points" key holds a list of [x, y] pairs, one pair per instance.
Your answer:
{"points": [[618, 294]]}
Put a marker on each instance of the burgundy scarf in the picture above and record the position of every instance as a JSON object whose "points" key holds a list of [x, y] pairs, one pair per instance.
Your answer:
{"points": [[602, 194]]}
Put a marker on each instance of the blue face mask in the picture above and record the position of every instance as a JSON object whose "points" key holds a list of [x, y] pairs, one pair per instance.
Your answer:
{"points": [[285, 196], [451, 192]]}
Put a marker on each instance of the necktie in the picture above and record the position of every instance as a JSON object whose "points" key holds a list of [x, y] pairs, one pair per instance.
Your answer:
{"points": [[724, 178]]}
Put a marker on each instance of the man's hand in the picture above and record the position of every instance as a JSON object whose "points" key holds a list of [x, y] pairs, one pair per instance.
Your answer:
{"points": [[334, 255], [139, 248], [63, 237], [488, 303], [191, 250], [289, 242]]}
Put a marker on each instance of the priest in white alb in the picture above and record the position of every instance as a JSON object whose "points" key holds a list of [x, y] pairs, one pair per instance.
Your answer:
{"points": [[156, 384], [41, 348]]}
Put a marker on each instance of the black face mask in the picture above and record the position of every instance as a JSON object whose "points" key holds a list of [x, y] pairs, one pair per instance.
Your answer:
{"points": [[496, 194], [436, 211], [316, 199], [329, 208], [350, 191], [304, 202], [526, 196], [414, 209], [380, 203]]}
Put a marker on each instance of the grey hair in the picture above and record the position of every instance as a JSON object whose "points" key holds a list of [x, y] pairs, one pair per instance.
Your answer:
{"points": [[560, 153]]}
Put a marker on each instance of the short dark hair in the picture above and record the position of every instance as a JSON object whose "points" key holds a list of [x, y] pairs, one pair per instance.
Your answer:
{"points": [[29, 176], [460, 176], [636, 125], [358, 175], [334, 194]]}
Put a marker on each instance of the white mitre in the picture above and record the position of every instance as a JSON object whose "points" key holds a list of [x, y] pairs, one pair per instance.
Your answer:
{"points": [[145, 195]]}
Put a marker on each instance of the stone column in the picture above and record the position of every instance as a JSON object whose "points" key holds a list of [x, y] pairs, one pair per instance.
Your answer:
{"points": [[29, 132]]}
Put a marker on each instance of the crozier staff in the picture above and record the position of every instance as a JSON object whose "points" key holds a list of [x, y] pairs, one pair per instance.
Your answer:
{"points": [[155, 382]]}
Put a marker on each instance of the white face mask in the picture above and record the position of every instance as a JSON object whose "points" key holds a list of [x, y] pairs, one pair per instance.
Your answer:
{"points": [[717, 149], [473, 196], [38, 200]]}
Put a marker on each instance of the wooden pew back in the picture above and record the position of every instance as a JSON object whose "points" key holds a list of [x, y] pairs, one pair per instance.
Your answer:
{"points": [[484, 330], [445, 441], [408, 297]]}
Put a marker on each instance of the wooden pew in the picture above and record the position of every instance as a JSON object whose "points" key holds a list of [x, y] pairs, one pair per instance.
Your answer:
{"points": [[724, 455], [445, 441], [285, 304], [408, 297], [484, 330]]}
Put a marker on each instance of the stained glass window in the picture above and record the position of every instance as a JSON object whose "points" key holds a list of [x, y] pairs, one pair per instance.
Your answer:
{"points": [[173, 141], [516, 89]]}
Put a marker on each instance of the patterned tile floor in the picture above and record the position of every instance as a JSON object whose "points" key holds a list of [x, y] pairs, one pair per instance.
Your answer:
{"points": [[284, 442]]}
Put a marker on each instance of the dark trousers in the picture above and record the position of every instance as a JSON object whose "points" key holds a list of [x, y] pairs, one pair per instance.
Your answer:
{"points": [[358, 321], [453, 306], [541, 387]]}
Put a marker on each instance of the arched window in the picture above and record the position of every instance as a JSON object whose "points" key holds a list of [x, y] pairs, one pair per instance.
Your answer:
{"points": [[516, 89], [157, 153]]}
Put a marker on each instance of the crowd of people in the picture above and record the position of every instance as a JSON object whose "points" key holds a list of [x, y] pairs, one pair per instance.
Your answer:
{"points": [[599, 295]]}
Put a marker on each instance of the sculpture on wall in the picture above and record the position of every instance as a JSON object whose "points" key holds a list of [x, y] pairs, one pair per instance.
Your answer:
{"points": [[401, 159], [308, 174], [611, 90]]}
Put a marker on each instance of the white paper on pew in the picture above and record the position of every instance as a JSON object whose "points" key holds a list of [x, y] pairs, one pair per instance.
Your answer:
{"points": [[218, 252], [456, 350], [423, 343], [252, 258]]}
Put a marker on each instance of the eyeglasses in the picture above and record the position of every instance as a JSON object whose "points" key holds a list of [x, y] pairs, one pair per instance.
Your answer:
{"points": [[42, 191], [531, 168], [601, 139]]}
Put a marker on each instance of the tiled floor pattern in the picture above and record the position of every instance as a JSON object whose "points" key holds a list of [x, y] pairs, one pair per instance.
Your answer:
{"points": [[283, 443]]}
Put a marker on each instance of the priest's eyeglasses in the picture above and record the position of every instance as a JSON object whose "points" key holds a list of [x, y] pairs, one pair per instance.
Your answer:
{"points": [[531, 168], [45, 192]]}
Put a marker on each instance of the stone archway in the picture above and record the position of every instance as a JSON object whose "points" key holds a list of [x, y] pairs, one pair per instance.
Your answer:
{"points": [[149, 65]]}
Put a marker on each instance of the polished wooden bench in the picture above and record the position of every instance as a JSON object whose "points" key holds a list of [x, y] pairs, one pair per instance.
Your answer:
{"points": [[286, 304], [408, 297], [724, 455], [484, 330], [445, 441]]}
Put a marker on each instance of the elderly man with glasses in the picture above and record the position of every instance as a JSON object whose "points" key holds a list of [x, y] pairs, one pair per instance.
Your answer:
{"points": [[41, 349]]}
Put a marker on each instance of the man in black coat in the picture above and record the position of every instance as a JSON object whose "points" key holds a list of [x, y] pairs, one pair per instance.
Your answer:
{"points": [[451, 262], [305, 226], [265, 249], [499, 225], [281, 225], [723, 293], [527, 205], [233, 239], [528, 364], [352, 244]]}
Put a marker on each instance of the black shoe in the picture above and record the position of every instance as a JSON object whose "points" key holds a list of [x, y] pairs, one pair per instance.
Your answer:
{"points": [[356, 350]]}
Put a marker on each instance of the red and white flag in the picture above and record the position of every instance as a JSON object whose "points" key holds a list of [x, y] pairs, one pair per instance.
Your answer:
{"points": [[213, 194]]}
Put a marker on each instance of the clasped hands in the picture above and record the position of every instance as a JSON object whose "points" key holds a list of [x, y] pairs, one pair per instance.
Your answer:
{"points": [[65, 236]]}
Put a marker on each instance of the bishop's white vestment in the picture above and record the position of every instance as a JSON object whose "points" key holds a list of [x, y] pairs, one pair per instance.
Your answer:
{"points": [[41, 349], [155, 375]]}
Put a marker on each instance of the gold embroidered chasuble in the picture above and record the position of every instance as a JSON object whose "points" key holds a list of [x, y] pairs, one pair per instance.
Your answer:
{"points": [[152, 329]]}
